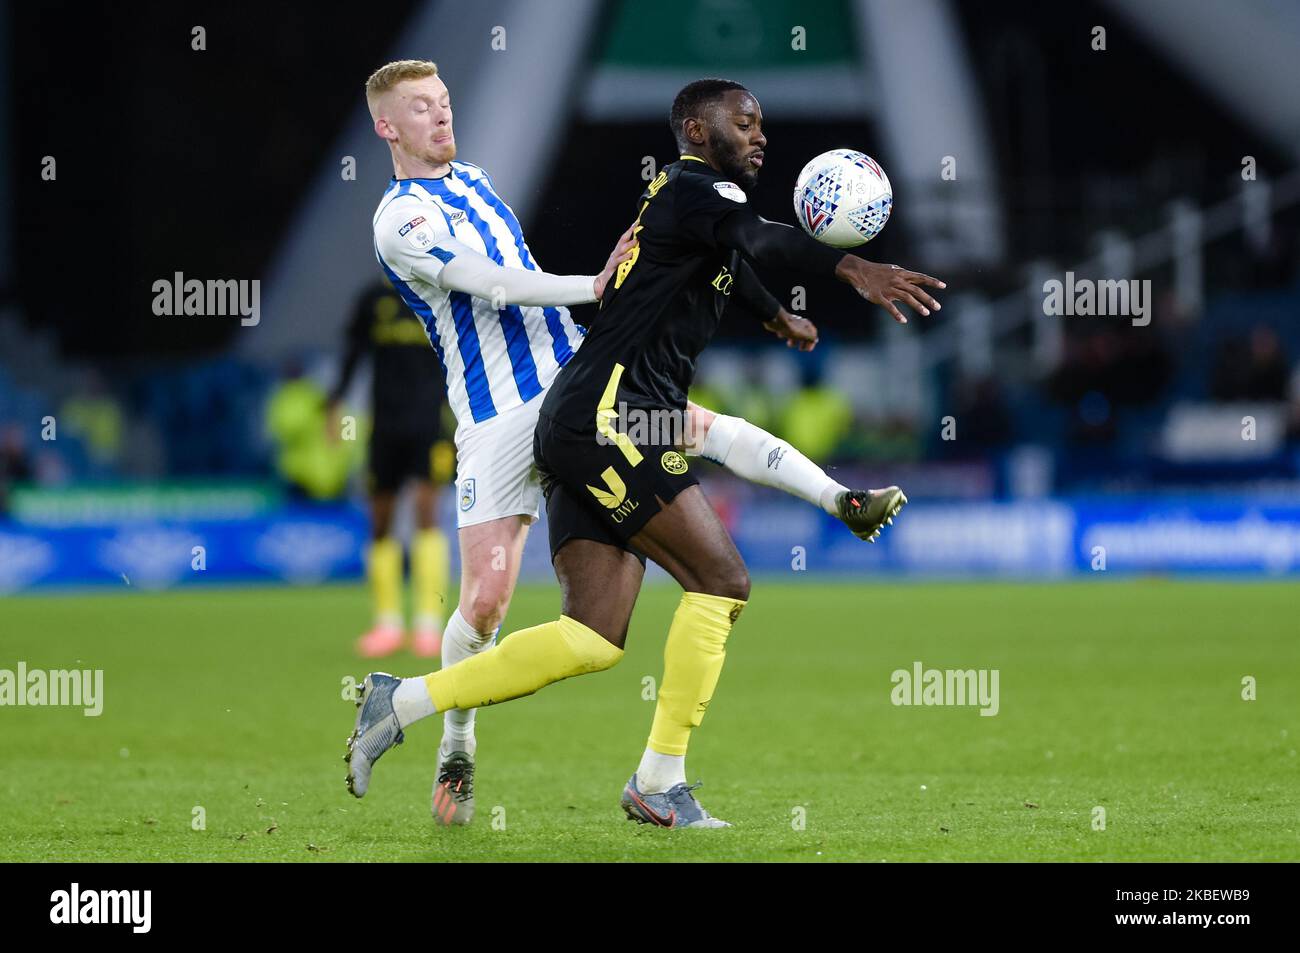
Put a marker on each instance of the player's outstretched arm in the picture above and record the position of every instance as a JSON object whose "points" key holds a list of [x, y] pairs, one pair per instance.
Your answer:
{"points": [[466, 270], [781, 246], [885, 284], [418, 248], [463, 269]]}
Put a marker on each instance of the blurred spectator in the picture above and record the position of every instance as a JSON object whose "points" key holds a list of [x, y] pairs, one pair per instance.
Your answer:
{"points": [[816, 419], [1115, 365], [1252, 369], [95, 417], [306, 458], [15, 466]]}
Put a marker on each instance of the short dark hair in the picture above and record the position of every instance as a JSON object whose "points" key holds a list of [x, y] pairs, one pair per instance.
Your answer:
{"points": [[693, 99]]}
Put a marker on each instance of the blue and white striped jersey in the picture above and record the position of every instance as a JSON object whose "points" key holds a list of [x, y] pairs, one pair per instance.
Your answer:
{"points": [[494, 358]]}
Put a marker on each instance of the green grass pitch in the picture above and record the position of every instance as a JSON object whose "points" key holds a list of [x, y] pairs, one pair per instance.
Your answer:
{"points": [[1120, 694]]}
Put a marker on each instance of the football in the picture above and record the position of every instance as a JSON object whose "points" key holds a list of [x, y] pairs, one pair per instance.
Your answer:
{"points": [[843, 198]]}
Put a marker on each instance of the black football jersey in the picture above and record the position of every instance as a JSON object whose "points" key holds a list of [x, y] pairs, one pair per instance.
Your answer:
{"points": [[407, 381], [664, 304]]}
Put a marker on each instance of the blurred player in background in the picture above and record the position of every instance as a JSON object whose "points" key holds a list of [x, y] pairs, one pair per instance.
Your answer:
{"points": [[456, 253], [406, 405]]}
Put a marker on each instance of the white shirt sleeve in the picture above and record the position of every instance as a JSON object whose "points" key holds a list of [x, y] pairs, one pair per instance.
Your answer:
{"points": [[409, 238], [415, 242], [469, 271]]}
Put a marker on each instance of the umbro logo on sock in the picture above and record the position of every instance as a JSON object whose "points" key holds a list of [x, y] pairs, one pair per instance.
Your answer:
{"points": [[774, 458]]}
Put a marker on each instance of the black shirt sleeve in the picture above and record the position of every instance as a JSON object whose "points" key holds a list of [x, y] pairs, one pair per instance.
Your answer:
{"points": [[356, 344], [750, 293], [701, 202], [775, 245], [716, 213]]}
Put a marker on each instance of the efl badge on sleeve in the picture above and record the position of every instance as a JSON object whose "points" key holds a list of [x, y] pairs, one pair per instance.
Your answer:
{"points": [[417, 232]]}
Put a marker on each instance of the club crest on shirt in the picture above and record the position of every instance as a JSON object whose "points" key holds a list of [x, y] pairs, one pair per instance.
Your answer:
{"points": [[467, 498], [673, 462], [417, 232], [729, 190]]}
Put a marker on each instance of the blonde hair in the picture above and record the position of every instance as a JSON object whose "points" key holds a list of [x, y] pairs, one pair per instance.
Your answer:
{"points": [[390, 74]]}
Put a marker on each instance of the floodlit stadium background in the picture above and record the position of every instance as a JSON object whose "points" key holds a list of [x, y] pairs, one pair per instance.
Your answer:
{"points": [[1031, 444]]}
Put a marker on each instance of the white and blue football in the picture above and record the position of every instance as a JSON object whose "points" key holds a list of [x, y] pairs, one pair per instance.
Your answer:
{"points": [[843, 198]]}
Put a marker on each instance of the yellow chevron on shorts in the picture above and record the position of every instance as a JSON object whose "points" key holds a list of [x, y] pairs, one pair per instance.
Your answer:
{"points": [[617, 489], [606, 415]]}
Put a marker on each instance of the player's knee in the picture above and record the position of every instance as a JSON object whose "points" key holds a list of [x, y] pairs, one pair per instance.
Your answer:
{"points": [[731, 581], [380, 526], [592, 651], [607, 656], [381, 523], [484, 607], [426, 514], [739, 585]]}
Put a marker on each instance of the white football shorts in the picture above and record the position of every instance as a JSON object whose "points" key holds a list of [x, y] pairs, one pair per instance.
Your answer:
{"points": [[495, 473]]}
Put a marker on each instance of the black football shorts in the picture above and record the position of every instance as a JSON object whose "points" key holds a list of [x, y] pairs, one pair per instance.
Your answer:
{"points": [[604, 490], [396, 457]]}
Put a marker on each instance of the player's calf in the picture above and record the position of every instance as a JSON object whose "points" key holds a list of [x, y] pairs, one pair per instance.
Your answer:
{"points": [[490, 555], [520, 665]]}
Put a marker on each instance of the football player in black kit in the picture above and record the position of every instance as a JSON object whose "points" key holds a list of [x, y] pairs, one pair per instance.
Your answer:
{"points": [[613, 500], [406, 405]]}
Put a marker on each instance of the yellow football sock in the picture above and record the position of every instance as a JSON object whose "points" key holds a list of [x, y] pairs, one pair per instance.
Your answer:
{"points": [[384, 568], [522, 663], [693, 657], [430, 569]]}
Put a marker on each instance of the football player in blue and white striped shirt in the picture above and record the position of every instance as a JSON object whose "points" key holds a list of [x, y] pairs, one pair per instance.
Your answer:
{"points": [[456, 253]]}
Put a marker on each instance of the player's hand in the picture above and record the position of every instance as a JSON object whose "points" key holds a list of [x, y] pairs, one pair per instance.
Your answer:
{"points": [[621, 253], [885, 284], [793, 330]]}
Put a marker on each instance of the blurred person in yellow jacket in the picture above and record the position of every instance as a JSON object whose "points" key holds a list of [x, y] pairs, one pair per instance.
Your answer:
{"points": [[304, 457]]}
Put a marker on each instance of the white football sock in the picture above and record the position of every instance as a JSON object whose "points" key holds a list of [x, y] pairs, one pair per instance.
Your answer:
{"points": [[658, 772], [459, 642], [411, 701], [755, 455]]}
